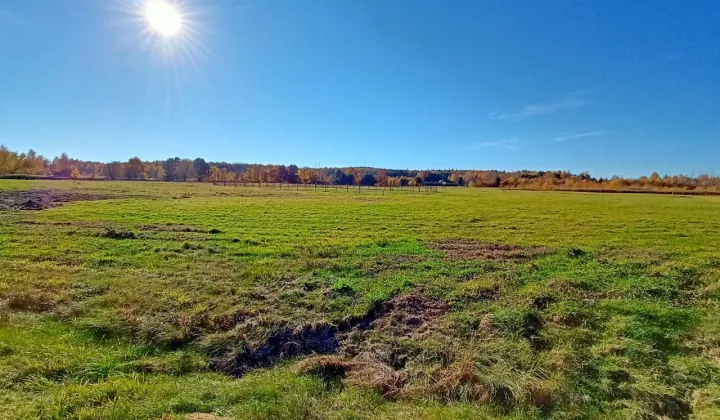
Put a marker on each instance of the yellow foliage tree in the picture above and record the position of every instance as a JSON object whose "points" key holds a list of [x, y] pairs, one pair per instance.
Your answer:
{"points": [[305, 175]]}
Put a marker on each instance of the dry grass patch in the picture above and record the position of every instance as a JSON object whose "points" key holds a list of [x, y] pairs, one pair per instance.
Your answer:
{"points": [[461, 382], [43, 199], [470, 249], [172, 228], [409, 315], [364, 371], [204, 416]]}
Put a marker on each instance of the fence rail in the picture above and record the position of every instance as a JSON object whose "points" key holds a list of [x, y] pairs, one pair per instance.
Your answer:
{"points": [[333, 187]]}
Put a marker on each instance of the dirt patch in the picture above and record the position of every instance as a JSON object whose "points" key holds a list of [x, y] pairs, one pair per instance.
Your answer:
{"points": [[178, 228], [43, 199], [408, 315], [469, 249], [531, 327], [281, 344], [542, 302], [576, 253], [118, 234]]}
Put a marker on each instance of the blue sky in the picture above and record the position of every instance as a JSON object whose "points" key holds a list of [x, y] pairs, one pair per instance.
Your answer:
{"points": [[613, 87]]}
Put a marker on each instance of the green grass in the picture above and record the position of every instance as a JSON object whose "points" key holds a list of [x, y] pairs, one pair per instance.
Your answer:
{"points": [[617, 321]]}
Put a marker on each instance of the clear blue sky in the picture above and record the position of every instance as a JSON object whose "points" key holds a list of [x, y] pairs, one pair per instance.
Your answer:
{"points": [[613, 87]]}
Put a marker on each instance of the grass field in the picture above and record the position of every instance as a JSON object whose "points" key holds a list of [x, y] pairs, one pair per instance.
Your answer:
{"points": [[160, 300]]}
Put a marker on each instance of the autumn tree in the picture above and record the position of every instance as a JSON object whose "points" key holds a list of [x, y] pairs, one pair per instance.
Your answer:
{"points": [[265, 176], [175, 169], [382, 178], [226, 176], [251, 175], [305, 175], [201, 168], [21, 163], [368, 179], [618, 183], [320, 176], [274, 174], [342, 178], [184, 170], [215, 174], [61, 165], [135, 169], [169, 166], [654, 178], [236, 177], [114, 170], [292, 176], [282, 174], [355, 174]]}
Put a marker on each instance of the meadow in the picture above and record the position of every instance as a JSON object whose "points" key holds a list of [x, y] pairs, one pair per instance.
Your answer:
{"points": [[188, 300]]}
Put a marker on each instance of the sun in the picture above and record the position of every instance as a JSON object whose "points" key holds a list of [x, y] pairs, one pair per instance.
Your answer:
{"points": [[164, 18]]}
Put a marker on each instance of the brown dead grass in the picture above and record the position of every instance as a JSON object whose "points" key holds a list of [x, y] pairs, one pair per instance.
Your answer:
{"points": [[43, 199], [460, 382], [204, 416], [542, 395], [470, 249], [364, 371], [409, 315], [32, 301], [368, 372], [325, 366]]}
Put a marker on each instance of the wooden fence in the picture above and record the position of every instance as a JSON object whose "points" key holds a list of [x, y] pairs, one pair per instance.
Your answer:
{"points": [[333, 187]]}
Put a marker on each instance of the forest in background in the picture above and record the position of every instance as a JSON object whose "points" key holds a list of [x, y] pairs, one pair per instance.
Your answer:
{"points": [[23, 165]]}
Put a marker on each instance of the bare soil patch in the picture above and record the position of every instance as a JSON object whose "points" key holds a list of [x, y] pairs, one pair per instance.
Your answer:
{"points": [[470, 249], [408, 315], [118, 234], [43, 199], [282, 344]]}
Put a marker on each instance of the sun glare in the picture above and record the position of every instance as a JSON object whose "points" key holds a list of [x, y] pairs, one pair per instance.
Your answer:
{"points": [[163, 18]]}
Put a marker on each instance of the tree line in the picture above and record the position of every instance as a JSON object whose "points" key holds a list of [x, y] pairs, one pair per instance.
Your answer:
{"points": [[14, 164]]}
